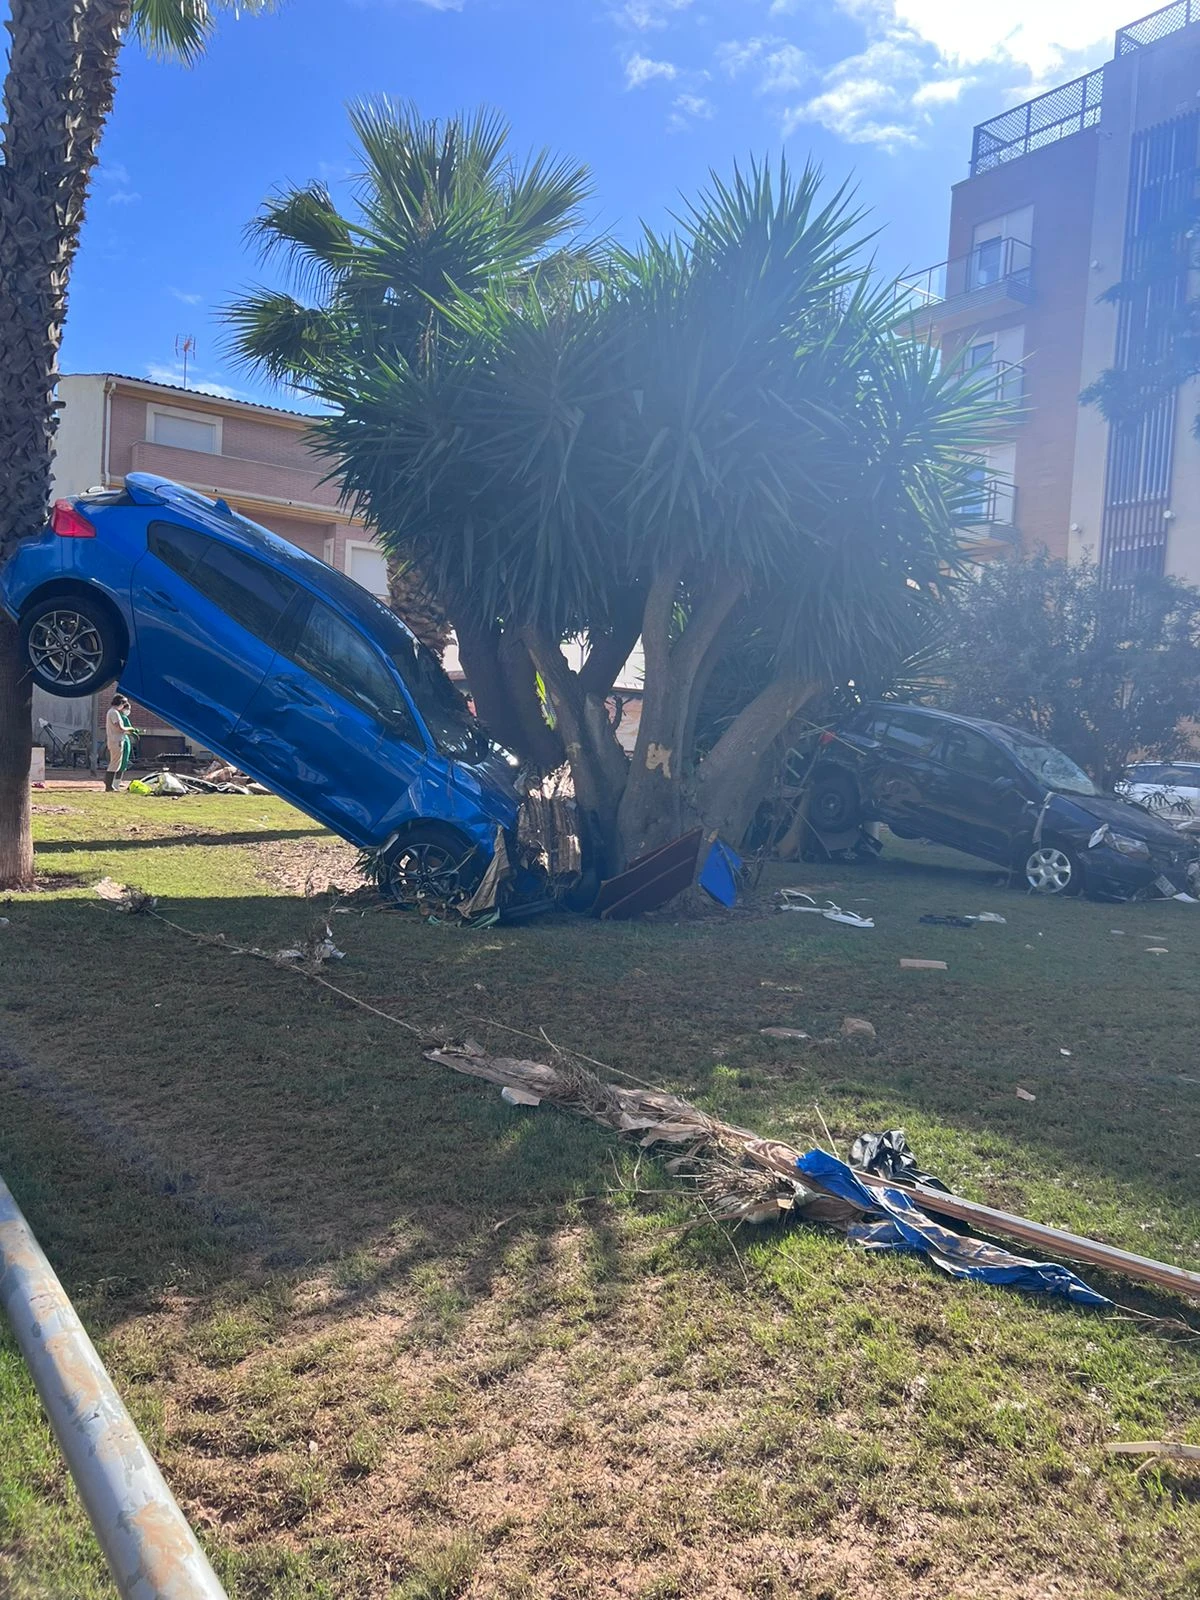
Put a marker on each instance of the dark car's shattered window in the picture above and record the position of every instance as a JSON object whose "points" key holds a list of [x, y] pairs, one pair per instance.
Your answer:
{"points": [[1049, 766]]}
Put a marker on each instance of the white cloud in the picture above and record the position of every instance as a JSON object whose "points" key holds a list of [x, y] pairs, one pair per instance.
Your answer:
{"points": [[442, 5], [687, 109], [643, 14], [172, 372], [780, 66], [941, 91], [188, 299], [861, 99], [1038, 35], [124, 197], [640, 70], [114, 172]]}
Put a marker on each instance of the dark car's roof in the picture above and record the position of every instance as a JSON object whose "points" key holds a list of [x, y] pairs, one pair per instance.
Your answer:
{"points": [[882, 707]]}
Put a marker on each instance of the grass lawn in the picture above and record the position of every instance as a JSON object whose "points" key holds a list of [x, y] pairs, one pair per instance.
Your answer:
{"points": [[390, 1336]]}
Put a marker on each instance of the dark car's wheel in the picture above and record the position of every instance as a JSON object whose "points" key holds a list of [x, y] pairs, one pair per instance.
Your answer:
{"points": [[1049, 869], [833, 803], [72, 644], [431, 864]]}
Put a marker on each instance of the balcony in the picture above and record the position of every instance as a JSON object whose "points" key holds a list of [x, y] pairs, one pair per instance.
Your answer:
{"points": [[1002, 382], [994, 278], [239, 476], [991, 518], [1055, 115]]}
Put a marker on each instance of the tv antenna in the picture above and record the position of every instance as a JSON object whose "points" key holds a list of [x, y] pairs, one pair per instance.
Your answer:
{"points": [[185, 350]]}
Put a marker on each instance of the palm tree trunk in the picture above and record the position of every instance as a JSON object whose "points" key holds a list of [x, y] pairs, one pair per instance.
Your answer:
{"points": [[57, 95]]}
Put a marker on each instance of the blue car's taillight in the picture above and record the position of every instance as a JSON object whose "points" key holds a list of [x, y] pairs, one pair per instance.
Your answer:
{"points": [[69, 523]]}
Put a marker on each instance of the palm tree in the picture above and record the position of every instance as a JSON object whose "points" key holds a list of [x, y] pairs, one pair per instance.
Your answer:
{"points": [[723, 433], [58, 91], [442, 212]]}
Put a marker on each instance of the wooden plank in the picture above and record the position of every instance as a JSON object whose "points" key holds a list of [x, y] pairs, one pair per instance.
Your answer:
{"points": [[1054, 1240]]}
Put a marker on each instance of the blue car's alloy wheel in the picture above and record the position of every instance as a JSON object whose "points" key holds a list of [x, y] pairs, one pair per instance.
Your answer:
{"points": [[432, 865], [71, 646]]}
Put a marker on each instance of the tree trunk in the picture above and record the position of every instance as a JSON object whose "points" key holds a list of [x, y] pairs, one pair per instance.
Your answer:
{"points": [[16, 744], [50, 136], [504, 690], [730, 781], [655, 807], [599, 767]]}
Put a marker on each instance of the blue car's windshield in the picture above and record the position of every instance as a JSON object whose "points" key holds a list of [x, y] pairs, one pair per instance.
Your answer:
{"points": [[1049, 766]]}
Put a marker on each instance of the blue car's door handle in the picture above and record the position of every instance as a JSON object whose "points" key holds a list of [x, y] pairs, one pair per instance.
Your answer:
{"points": [[161, 599], [298, 692]]}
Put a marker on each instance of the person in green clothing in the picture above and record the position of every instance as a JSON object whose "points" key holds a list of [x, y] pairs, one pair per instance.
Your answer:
{"points": [[118, 733]]}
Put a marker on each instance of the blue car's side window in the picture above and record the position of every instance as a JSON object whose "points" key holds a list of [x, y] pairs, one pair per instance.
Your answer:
{"points": [[251, 592], [335, 652]]}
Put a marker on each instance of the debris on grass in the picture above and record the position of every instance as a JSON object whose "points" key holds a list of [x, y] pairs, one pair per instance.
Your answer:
{"points": [[858, 1029], [784, 1033], [126, 897], [313, 951], [887, 1155], [934, 920], [797, 900], [1155, 1449], [1024, 1094], [920, 965]]}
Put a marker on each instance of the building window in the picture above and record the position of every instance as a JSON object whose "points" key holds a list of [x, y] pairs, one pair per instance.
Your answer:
{"points": [[184, 430], [367, 564]]}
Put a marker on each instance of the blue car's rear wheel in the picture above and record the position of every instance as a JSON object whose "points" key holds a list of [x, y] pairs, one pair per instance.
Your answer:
{"points": [[431, 865], [72, 645]]}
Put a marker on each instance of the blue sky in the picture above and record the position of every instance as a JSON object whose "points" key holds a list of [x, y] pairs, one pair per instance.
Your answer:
{"points": [[650, 93]]}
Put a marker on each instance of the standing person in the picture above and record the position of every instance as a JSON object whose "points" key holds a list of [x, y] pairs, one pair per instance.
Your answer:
{"points": [[118, 733]]}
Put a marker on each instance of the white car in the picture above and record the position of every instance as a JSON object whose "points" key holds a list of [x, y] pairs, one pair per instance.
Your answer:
{"points": [[1169, 788]]}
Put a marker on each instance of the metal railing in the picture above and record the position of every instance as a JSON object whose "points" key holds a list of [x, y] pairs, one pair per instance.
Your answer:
{"points": [[1044, 120], [153, 1553], [1157, 25], [1006, 263], [995, 507], [1001, 381]]}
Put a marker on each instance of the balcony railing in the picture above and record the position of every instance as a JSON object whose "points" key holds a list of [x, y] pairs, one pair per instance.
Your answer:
{"points": [[993, 513], [996, 271], [1001, 381], [1158, 25], [1044, 120]]}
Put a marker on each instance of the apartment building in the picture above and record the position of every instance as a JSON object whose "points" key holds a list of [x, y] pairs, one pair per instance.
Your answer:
{"points": [[255, 457], [1063, 194]]}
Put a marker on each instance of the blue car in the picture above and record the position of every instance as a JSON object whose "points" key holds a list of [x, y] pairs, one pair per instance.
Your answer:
{"points": [[282, 665]]}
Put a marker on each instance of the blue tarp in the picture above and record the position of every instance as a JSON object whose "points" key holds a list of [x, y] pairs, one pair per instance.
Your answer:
{"points": [[720, 875], [906, 1227]]}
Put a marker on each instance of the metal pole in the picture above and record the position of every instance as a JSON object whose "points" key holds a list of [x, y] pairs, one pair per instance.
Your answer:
{"points": [[145, 1537]]}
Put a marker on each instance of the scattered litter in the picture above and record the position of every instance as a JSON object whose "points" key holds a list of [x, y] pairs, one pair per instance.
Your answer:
{"points": [[784, 988], [314, 951], [784, 1033], [947, 921], [1120, 932], [1024, 1094], [163, 784], [3, 922], [887, 1155], [1101, 833], [1188, 899], [988, 916], [1063, 1052], [795, 900], [906, 1227], [519, 1097], [1157, 950], [858, 1028], [1155, 1447], [125, 896], [927, 966]]}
